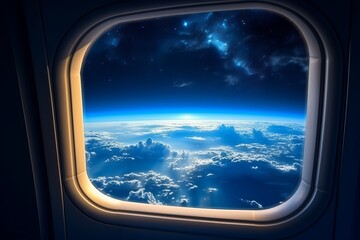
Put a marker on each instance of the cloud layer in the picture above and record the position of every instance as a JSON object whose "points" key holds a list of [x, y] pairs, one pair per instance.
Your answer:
{"points": [[233, 166]]}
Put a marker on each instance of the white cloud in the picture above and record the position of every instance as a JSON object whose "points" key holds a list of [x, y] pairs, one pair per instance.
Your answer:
{"points": [[154, 172], [184, 202], [288, 168], [182, 84], [252, 203], [212, 189], [197, 138], [283, 60], [193, 187], [149, 187], [141, 195], [100, 136]]}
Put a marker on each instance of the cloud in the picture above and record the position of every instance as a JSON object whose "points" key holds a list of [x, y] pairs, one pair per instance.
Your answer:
{"points": [[193, 187], [207, 135], [210, 190], [184, 202], [252, 203], [98, 135], [142, 197], [197, 138], [281, 61], [285, 129], [243, 65], [259, 137], [116, 186], [231, 80], [148, 151], [142, 156], [260, 162], [182, 84], [228, 134], [146, 187], [239, 175]]}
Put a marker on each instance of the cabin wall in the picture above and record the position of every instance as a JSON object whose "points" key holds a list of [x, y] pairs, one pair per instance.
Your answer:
{"points": [[40, 206], [19, 216]]}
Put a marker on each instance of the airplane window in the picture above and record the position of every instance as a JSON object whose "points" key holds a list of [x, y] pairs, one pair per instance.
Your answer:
{"points": [[203, 110]]}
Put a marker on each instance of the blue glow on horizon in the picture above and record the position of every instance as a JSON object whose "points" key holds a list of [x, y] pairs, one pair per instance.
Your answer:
{"points": [[190, 115]]}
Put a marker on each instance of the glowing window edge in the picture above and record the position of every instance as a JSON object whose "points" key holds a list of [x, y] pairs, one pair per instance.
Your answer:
{"points": [[71, 133]]}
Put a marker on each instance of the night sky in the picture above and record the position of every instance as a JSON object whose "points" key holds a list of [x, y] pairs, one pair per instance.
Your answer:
{"points": [[245, 62]]}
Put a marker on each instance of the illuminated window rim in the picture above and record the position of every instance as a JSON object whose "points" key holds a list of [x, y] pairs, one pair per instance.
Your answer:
{"points": [[70, 124], [80, 173]]}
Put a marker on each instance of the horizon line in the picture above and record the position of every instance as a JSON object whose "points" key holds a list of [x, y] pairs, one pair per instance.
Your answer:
{"points": [[193, 117]]}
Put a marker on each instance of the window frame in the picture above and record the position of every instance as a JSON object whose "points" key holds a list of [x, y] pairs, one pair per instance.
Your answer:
{"points": [[319, 156]]}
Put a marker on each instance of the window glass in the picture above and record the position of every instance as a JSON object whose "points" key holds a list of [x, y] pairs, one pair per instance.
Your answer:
{"points": [[201, 110]]}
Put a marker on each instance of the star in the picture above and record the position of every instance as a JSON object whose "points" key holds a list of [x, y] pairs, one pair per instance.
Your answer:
{"points": [[114, 42]]}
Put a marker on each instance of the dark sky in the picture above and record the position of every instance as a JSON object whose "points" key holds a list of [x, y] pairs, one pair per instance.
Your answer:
{"points": [[234, 62]]}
